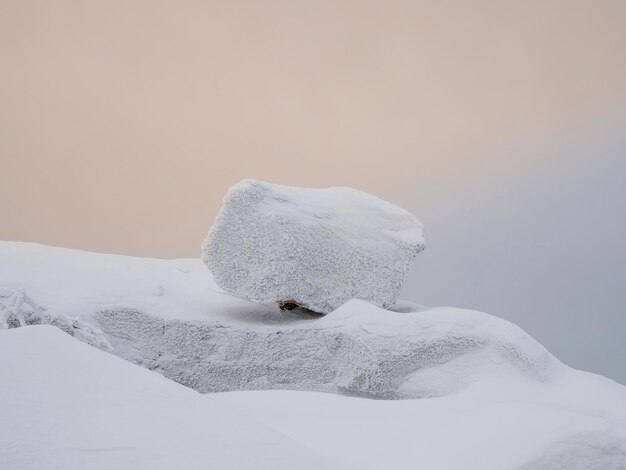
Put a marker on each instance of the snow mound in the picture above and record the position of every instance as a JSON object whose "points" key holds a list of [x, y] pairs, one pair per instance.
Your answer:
{"points": [[69, 406], [575, 422], [317, 248], [585, 450], [66, 405]]}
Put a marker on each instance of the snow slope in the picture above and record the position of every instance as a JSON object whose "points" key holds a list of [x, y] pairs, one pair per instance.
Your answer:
{"points": [[76, 282], [67, 405], [490, 396], [577, 422]]}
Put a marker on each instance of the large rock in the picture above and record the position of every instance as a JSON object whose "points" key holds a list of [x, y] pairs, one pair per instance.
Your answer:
{"points": [[316, 248], [358, 349]]}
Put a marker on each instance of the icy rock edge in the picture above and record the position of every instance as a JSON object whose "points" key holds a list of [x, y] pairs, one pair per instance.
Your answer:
{"points": [[315, 248]]}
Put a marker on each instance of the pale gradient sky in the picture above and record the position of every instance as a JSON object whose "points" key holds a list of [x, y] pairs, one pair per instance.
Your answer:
{"points": [[122, 124]]}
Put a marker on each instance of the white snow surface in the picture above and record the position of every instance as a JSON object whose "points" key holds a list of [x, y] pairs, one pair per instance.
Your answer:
{"points": [[70, 406], [316, 247], [490, 397]]}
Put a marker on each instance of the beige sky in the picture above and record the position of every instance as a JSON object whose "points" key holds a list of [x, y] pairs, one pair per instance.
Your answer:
{"points": [[122, 123]]}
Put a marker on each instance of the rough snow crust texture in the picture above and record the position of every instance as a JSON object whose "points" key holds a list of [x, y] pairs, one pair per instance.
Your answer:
{"points": [[317, 247], [19, 309], [358, 349]]}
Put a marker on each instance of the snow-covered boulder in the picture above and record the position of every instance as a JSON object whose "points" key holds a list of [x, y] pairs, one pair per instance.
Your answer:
{"points": [[315, 248], [359, 349]]}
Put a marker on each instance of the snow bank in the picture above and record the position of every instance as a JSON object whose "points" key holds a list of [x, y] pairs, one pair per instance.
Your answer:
{"points": [[317, 248], [575, 422], [498, 399], [66, 405], [69, 406]]}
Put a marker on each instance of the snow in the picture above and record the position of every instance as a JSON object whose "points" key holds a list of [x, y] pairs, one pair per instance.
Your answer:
{"points": [[80, 283], [576, 422], [316, 247], [20, 310], [476, 391], [359, 350], [67, 405], [194, 334]]}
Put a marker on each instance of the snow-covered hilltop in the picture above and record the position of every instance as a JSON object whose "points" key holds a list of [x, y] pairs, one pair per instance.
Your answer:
{"points": [[484, 395]]}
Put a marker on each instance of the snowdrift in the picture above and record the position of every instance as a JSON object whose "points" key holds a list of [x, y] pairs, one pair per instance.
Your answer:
{"points": [[67, 405]]}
